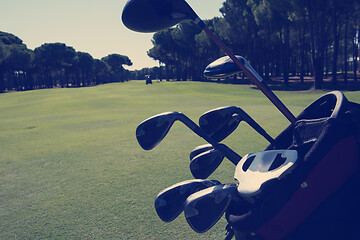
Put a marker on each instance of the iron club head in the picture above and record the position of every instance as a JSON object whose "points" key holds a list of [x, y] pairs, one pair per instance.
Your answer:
{"points": [[170, 202], [221, 122], [154, 129], [200, 149], [204, 164], [203, 209]]}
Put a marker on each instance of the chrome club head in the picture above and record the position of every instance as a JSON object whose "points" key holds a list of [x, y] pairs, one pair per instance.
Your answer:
{"points": [[200, 149], [154, 129], [204, 164], [204, 208], [223, 67], [170, 202], [221, 122]]}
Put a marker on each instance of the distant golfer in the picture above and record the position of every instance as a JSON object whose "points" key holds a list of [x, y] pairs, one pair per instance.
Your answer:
{"points": [[148, 79]]}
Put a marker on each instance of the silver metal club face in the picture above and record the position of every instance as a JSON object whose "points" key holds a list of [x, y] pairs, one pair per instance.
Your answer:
{"points": [[170, 202], [153, 130], [222, 68], [204, 208], [204, 164], [200, 149], [221, 122]]}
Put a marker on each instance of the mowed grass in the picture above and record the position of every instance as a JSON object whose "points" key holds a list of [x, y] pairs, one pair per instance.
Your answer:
{"points": [[71, 168]]}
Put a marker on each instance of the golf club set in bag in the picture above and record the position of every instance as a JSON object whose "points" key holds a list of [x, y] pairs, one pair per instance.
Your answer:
{"points": [[304, 185]]}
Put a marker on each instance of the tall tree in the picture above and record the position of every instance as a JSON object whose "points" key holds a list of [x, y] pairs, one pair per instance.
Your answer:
{"points": [[207, 50], [164, 50], [356, 34], [188, 58], [52, 60], [317, 17], [336, 38], [243, 28], [101, 70], [116, 62], [15, 61], [19, 62], [4, 53], [85, 65]]}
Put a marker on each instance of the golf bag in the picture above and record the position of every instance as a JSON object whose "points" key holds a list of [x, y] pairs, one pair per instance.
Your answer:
{"points": [[320, 197]]}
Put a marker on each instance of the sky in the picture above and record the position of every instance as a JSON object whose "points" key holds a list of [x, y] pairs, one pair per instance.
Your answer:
{"points": [[92, 26]]}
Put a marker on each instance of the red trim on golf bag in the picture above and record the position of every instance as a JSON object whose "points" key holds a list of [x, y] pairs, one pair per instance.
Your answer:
{"points": [[339, 164]]}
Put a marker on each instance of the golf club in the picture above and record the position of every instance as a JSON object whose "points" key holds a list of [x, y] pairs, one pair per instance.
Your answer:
{"points": [[154, 129], [170, 202], [221, 68], [155, 15], [204, 164], [225, 67], [257, 168], [200, 149], [221, 122], [203, 209]]}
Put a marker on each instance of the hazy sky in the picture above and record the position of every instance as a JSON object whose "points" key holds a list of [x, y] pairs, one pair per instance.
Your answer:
{"points": [[92, 26]]}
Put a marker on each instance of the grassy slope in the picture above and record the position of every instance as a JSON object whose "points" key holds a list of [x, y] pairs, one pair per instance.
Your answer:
{"points": [[70, 166]]}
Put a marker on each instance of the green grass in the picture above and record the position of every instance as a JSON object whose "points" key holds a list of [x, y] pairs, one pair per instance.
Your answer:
{"points": [[70, 166]]}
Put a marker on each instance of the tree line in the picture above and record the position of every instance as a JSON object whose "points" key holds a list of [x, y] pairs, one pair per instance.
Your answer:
{"points": [[55, 65], [281, 38]]}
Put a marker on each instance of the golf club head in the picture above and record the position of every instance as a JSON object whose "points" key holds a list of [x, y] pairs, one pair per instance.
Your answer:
{"points": [[155, 15], [223, 67], [257, 168], [204, 164], [220, 123], [169, 203], [200, 149], [203, 209], [154, 129]]}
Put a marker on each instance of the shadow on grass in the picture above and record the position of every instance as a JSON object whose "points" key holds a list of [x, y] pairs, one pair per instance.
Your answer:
{"points": [[277, 84], [308, 84]]}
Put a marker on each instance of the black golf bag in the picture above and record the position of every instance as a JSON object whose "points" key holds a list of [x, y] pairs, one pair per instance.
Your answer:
{"points": [[320, 197]]}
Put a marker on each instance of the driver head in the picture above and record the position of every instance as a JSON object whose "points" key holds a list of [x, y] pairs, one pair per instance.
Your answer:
{"points": [[223, 67], [155, 15]]}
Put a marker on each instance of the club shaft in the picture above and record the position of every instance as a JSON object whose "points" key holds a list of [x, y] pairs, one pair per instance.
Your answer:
{"points": [[261, 85], [255, 125], [228, 152]]}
